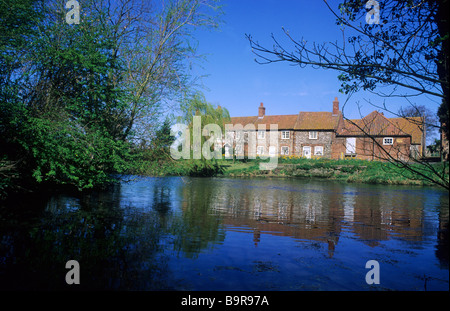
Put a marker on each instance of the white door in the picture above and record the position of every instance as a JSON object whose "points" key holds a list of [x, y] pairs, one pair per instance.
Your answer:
{"points": [[307, 152], [350, 146]]}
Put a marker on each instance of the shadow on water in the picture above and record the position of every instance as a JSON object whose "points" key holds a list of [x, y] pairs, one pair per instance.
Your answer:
{"points": [[148, 234], [117, 248]]}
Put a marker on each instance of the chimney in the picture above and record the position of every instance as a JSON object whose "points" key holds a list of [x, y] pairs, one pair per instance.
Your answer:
{"points": [[335, 106], [261, 111]]}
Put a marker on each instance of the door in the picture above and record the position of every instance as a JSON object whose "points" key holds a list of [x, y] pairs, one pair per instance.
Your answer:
{"points": [[350, 146], [307, 152]]}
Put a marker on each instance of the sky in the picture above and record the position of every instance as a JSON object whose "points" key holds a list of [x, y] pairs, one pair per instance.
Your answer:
{"points": [[235, 81]]}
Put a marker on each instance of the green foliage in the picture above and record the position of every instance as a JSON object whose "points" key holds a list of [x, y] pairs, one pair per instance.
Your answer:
{"points": [[65, 154], [76, 99], [60, 118]]}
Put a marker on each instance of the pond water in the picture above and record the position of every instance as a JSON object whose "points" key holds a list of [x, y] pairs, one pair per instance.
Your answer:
{"points": [[176, 233]]}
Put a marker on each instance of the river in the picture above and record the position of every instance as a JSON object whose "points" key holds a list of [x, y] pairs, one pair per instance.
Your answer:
{"points": [[174, 233]]}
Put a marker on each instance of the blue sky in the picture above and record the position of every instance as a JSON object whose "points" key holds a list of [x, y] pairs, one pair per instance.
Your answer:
{"points": [[238, 83]]}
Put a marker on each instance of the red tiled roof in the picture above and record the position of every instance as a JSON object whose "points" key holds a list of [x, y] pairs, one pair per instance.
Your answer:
{"points": [[412, 126], [301, 121], [284, 122], [376, 124], [316, 121]]}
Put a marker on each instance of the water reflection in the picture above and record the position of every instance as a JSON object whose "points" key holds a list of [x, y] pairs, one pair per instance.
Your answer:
{"points": [[372, 214], [130, 236]]}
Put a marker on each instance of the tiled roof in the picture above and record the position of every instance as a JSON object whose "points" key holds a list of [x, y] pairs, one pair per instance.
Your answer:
{"points": [[376, 124], [412, 126], [301, 121], [316, 121], [243, 120], [284, 122]]}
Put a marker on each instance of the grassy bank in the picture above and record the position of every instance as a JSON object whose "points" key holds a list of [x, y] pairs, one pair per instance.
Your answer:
{"points": [[351, 170]]}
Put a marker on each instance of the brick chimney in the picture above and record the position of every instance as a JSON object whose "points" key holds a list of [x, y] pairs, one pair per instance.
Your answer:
{"points": [[335, 106], [261, 111]]}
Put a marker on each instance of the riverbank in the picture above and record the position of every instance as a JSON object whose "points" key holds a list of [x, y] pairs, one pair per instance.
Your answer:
{"points": [[352, 170]]}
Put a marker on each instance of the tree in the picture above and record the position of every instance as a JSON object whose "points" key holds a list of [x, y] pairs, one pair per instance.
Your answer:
{"points": [[163, 140], [407, 51], [75, 98], [430, 125], [58, 121], [197, 106], [155, 41]]}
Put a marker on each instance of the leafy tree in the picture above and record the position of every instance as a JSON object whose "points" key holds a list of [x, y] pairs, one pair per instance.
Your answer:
{"points": [[163, 140], [197, 106], [74, 99], [58, 122]]}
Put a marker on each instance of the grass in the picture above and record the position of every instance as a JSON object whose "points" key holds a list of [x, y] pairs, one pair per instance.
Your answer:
{"points": [[351, 170]]}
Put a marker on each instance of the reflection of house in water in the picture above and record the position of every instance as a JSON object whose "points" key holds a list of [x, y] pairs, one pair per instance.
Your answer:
{"points": [[316, 215]]}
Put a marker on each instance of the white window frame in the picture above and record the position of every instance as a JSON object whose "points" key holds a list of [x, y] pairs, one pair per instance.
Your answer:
{"points": [[260, 150], [261, 134], [285, 148], [285, 134], [313, 135], [387, 143], [316, 150]]}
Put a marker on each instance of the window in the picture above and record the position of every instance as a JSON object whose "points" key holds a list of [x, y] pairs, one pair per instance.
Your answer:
{"points": [[261, 134], [388, 141], [313, 135], [260, 150], [284, 150], [318, 150], [285, 135]]}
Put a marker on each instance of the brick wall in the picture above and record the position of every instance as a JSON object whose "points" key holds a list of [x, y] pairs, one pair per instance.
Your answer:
{"points": [[367, 149]]}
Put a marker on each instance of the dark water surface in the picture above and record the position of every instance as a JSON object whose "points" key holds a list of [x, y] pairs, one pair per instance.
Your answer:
{"points": [[176, 233]]}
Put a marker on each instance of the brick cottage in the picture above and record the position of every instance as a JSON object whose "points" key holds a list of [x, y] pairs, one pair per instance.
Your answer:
{"points": [[328, 135]]}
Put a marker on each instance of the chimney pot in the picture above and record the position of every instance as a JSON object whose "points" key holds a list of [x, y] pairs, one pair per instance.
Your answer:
{"points": [[261, 111], [335, 106]]}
